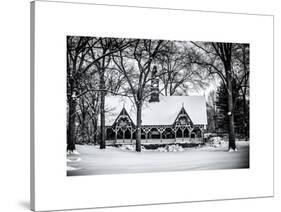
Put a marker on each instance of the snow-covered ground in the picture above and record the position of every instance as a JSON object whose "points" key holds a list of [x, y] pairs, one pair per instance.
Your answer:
{"points": [[112, 160]]}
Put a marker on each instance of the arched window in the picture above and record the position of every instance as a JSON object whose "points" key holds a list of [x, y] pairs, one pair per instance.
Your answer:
{"points": [[123, 121], [183, 120]]}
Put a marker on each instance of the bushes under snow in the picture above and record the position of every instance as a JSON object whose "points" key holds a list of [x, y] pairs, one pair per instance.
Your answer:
{"points": [[216, 141], [170, 148], [179, 147]]}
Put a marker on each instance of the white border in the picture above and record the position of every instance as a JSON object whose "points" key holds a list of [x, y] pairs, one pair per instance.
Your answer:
{"points": [[53, 190]]}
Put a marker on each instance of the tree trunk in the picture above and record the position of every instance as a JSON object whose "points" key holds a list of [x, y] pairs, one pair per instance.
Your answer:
{"points": [[232, 144], [71, 124], [102, 115], [245, 114], [138, 132], [94, 123], [231, 133]]}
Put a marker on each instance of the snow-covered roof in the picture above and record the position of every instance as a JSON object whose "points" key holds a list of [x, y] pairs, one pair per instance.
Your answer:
{"points": [[163, 112]]}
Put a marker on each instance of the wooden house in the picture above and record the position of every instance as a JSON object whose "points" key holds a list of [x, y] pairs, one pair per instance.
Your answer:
{"points": [[172, 118], [164, 118]]}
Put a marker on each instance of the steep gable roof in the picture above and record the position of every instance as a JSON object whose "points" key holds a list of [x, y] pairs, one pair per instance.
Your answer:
{"points": [[183, 112], [122, 113], [163, 112]]}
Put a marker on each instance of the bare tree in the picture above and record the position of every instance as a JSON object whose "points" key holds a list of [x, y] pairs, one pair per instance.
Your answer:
{"points": [[89, 103], [180, 75], [77, 49], [242, 72], [101, 55], [84, 55], [115, 81], [105, 46], [135, 64], [217, 58]]}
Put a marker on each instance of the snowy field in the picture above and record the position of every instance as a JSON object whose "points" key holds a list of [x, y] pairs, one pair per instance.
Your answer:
{"points": [[90, 160]]}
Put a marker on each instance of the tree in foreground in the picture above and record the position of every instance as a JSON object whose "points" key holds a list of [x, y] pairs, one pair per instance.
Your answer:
{"points": [[218, 59], [135, 63], [239, 113], [76, 52]]}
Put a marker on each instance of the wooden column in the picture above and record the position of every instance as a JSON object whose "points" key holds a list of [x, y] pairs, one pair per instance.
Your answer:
{"points": [[146, 131], [175, 131], [131, 134], [182, 131], [116, 130], [189, 128], [161, 130], [146, 136], [202, 132]]}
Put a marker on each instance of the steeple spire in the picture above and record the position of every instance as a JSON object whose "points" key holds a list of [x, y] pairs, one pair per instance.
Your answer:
{"points": [[154, 87]]}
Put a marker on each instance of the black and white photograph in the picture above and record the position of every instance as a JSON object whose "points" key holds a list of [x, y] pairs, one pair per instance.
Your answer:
{"points": [[147, 105], [132, 106]]}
